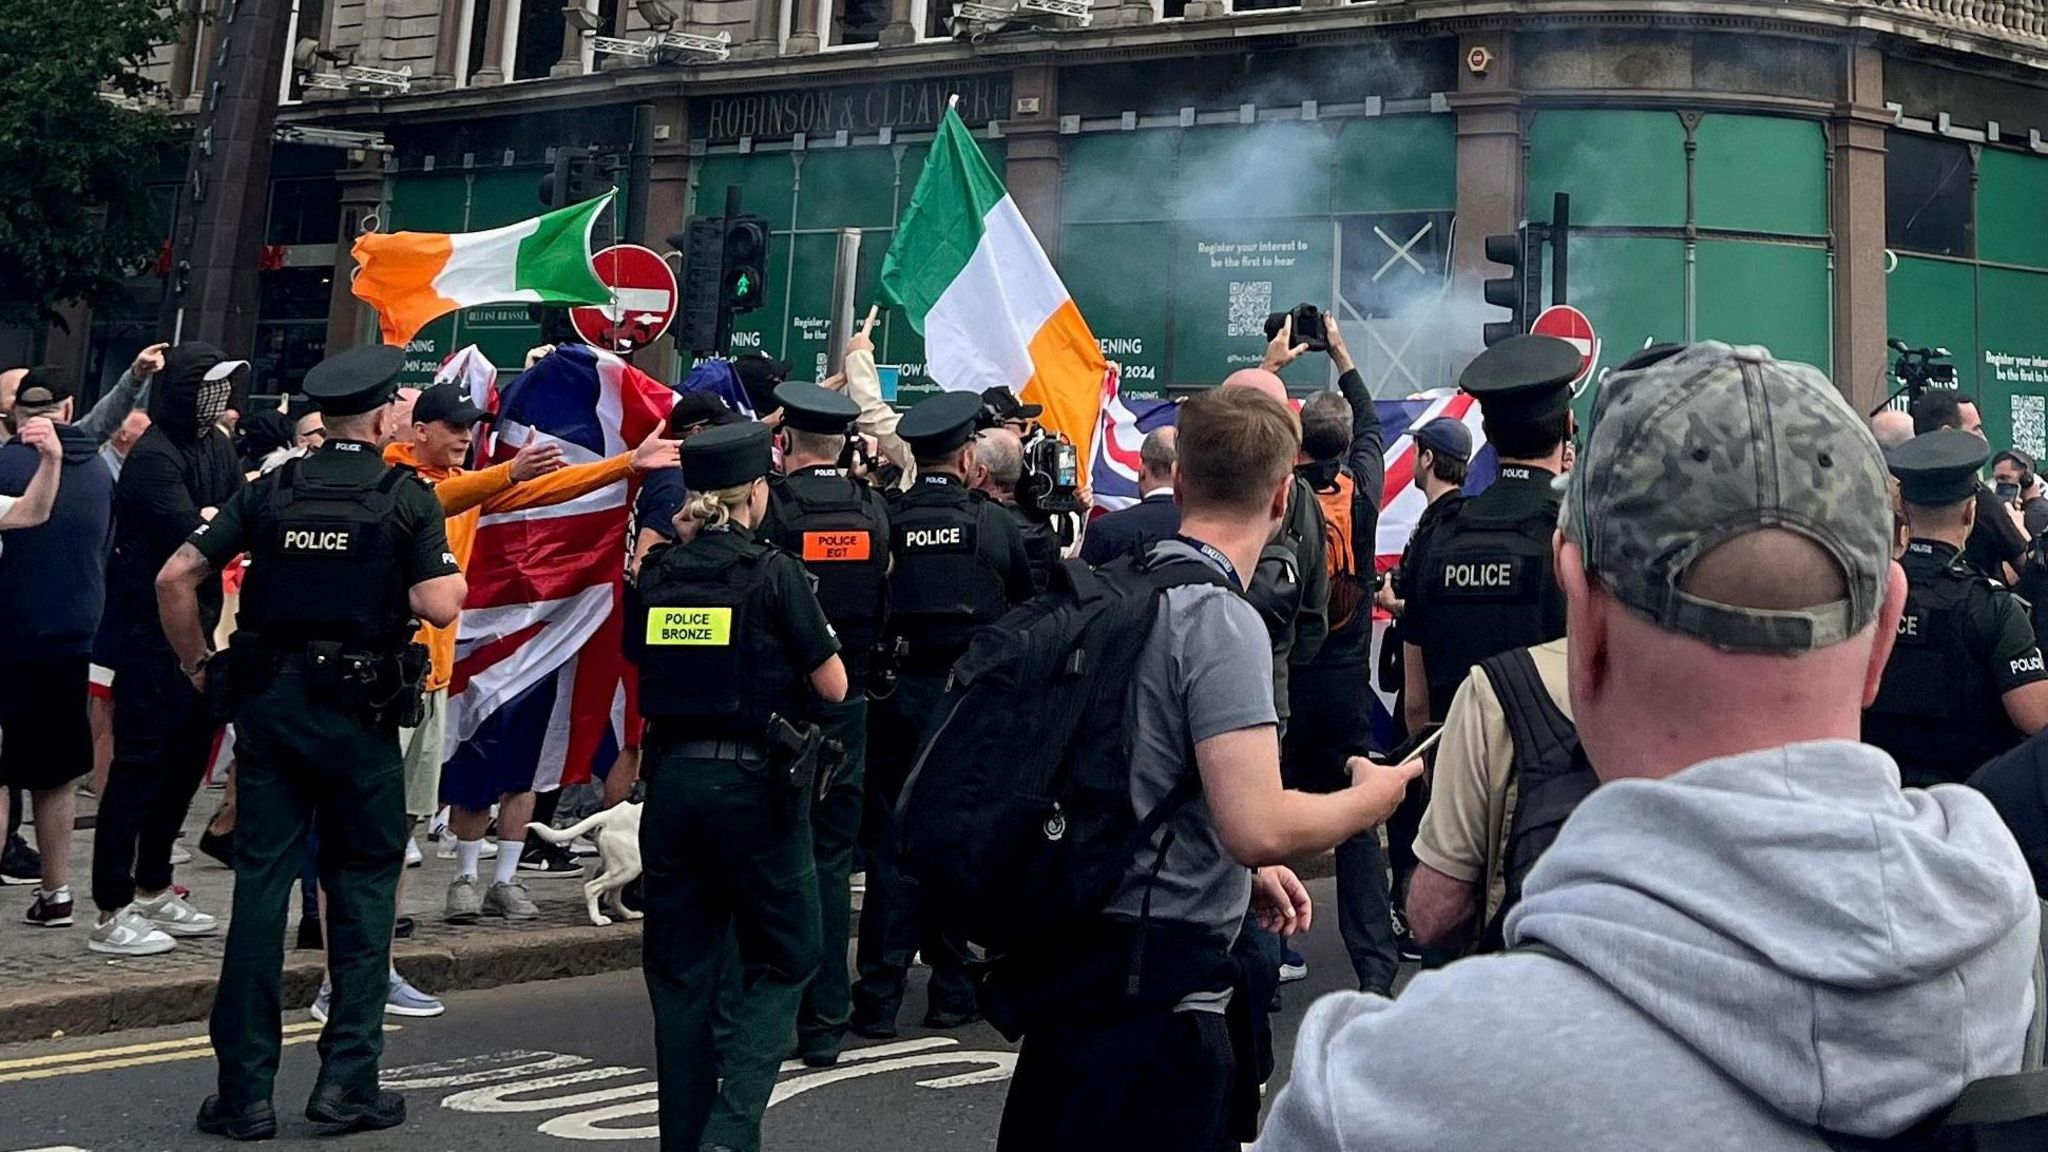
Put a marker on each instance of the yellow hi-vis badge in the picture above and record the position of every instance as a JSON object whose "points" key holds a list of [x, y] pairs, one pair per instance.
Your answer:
{"points": [[710, 626]]}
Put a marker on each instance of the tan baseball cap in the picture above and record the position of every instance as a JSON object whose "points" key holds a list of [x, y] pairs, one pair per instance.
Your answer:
{"points": [[1691, 448]]}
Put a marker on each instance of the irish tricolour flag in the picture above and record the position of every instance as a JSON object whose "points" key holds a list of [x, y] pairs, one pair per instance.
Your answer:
{"points": [[975, 282], [411, 278]]}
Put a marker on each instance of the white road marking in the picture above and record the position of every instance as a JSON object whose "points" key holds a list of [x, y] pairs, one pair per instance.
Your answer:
{"points": [[496, 1097], [456, 1073]]}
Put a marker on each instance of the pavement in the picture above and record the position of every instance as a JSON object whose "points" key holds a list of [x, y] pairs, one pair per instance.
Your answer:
{"points": [[555, 1067], [51, 986]]}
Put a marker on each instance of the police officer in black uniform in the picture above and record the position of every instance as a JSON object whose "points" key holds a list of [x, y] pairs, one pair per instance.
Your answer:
{"points": [[733, 650], [839, 527], [958, 563], [1483, 579], [1965, 681], [344, 553]]}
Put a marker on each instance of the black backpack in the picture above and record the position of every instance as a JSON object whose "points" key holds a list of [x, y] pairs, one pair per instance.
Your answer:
{"points": [[1016, 821], [1552, 775]]}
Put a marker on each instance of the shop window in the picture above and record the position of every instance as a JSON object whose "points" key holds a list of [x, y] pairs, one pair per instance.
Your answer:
{"points": [[1929, 204], [303, 211]]}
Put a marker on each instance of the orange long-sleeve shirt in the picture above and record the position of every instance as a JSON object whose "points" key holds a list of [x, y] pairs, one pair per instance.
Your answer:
{"points": [[465, 496]]}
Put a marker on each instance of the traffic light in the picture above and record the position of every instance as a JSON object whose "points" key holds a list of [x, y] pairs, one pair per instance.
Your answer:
{"points": [[701, 286], [1520, 290], [745, 255], [574, 178]]}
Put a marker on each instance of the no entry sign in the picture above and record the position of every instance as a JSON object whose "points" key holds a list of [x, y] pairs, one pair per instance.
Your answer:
{"points": [[643, 300], [1571, 326]]}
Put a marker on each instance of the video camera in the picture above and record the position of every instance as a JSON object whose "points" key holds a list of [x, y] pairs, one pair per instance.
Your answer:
{"points": [[1922, 368], [1051, 483]]}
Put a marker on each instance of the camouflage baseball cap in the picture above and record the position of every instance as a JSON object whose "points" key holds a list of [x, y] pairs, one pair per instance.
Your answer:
{"points": [[1712, 442]]}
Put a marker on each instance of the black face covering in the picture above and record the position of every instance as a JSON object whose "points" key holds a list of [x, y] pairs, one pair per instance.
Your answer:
{"points": [[181, 400], [1319, 474]]}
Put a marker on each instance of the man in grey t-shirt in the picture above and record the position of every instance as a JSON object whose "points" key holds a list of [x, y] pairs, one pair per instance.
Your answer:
{"points": [[1159, 1073]]}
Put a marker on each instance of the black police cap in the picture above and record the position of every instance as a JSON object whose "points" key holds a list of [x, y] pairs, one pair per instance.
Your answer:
{"points": [[356, 381], [1939, 467], [726, 456], [940, 424], [1523, 378], [809, 408]]}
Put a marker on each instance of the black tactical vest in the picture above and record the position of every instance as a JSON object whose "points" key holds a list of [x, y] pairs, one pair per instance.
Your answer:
{"points": [[942, 586], [1938, 713], [840, 529], [1550, 772], [1488, 578], [325, 563], [707, 652]]}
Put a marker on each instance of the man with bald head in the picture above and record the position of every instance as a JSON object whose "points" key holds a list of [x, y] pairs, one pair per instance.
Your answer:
{"points": [[1892, 428], [1748, 932]]}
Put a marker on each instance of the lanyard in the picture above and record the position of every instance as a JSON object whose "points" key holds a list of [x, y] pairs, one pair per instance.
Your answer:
{"points": [[1215, 556]]}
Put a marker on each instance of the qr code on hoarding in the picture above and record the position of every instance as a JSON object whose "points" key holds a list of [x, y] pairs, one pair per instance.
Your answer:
{"points": [[1251, 301], [2030, 425]]}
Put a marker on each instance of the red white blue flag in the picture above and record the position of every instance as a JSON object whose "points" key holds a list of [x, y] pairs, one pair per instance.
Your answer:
{"points": [[540, 691]]}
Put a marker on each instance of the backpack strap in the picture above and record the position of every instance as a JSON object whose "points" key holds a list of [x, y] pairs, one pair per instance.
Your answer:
{"points": [[1538, 728]]}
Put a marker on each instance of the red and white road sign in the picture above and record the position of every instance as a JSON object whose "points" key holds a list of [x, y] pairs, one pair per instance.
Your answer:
{"points": [[643, 300], [1571, 326]]}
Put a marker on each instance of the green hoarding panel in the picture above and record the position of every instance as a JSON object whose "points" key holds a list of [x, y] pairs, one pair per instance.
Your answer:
{"points": [[1933, 304], [1396, 164], [1761, 174], [2012, 209], [2013, 367], [1633, 290], [849, 188], [428, 202], [1775, 295], [1116, 273], [1622, 168], [1279, 169], [1114, 176], [1229, 275], [767, 184]]}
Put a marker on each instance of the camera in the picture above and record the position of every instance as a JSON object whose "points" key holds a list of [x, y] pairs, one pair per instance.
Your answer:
{"points": [[1051, 482], [1308, 327], [1922, 368]]}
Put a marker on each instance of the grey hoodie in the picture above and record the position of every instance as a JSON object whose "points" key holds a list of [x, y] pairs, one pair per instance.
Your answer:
{"points": [[1762, 943]]}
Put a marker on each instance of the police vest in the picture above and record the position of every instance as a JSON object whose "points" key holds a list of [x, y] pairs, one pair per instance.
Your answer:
{"points": [[1041, 546], [837, 526], [707, 652], [1938, 712], [942, 586], [1487, 577], [325, 563]]}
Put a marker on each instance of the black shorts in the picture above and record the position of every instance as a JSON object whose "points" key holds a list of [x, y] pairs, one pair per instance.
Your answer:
{"points": [[45, 730]]}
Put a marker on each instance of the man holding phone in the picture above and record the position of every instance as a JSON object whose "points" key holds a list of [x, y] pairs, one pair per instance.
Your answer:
{"points": [[2018, 484]]}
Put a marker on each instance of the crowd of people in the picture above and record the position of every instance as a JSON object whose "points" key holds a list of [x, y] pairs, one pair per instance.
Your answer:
{"points": [[1669, 814]]}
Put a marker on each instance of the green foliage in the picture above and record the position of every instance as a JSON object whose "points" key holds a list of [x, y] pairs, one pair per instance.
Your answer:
{"points": [[74, 216]]}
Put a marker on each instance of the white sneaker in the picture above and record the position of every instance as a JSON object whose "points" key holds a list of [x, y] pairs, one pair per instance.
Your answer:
{"points": [[172, 914], [180, 855], [128, 934], [413, 859]]}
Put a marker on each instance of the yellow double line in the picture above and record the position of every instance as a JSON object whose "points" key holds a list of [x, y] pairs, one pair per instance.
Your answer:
{"points": [[134, 1055]]}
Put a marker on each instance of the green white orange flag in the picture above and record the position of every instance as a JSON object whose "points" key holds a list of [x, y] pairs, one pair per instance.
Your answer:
{"points": [[412, 278], [978, 286]]}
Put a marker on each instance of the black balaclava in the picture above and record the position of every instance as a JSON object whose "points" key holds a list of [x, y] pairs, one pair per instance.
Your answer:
{"points": [[182, 401]]}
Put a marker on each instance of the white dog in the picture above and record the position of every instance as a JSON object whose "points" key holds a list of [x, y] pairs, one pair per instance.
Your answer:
{"points": [[618, 850]]}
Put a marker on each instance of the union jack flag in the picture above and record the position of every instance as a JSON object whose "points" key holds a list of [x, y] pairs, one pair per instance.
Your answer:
{"points": [[540, 694]]}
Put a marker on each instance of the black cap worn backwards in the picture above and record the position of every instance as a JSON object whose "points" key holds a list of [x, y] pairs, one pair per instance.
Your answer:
{"points": [[1938, 468], [448, 404], [940, 424], [758, 374], [727, 456], [1523, 378], [809, 408], [40, 389], [1000, 405], [356, 381]]}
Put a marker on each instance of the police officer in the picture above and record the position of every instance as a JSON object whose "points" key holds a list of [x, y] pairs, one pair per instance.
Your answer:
{"points": [[839, 527], [733, 648], [1483, 579], [1965, 681], [958, 563], [344, 552]]}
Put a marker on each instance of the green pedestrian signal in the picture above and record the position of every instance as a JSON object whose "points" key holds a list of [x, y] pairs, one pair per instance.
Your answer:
{"points": [[746, 252]]}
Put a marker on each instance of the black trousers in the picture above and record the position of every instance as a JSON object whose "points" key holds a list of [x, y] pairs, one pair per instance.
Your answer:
{"points": [[1159, 1080], [1332, 723], [892, 927], [162, 740]]}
